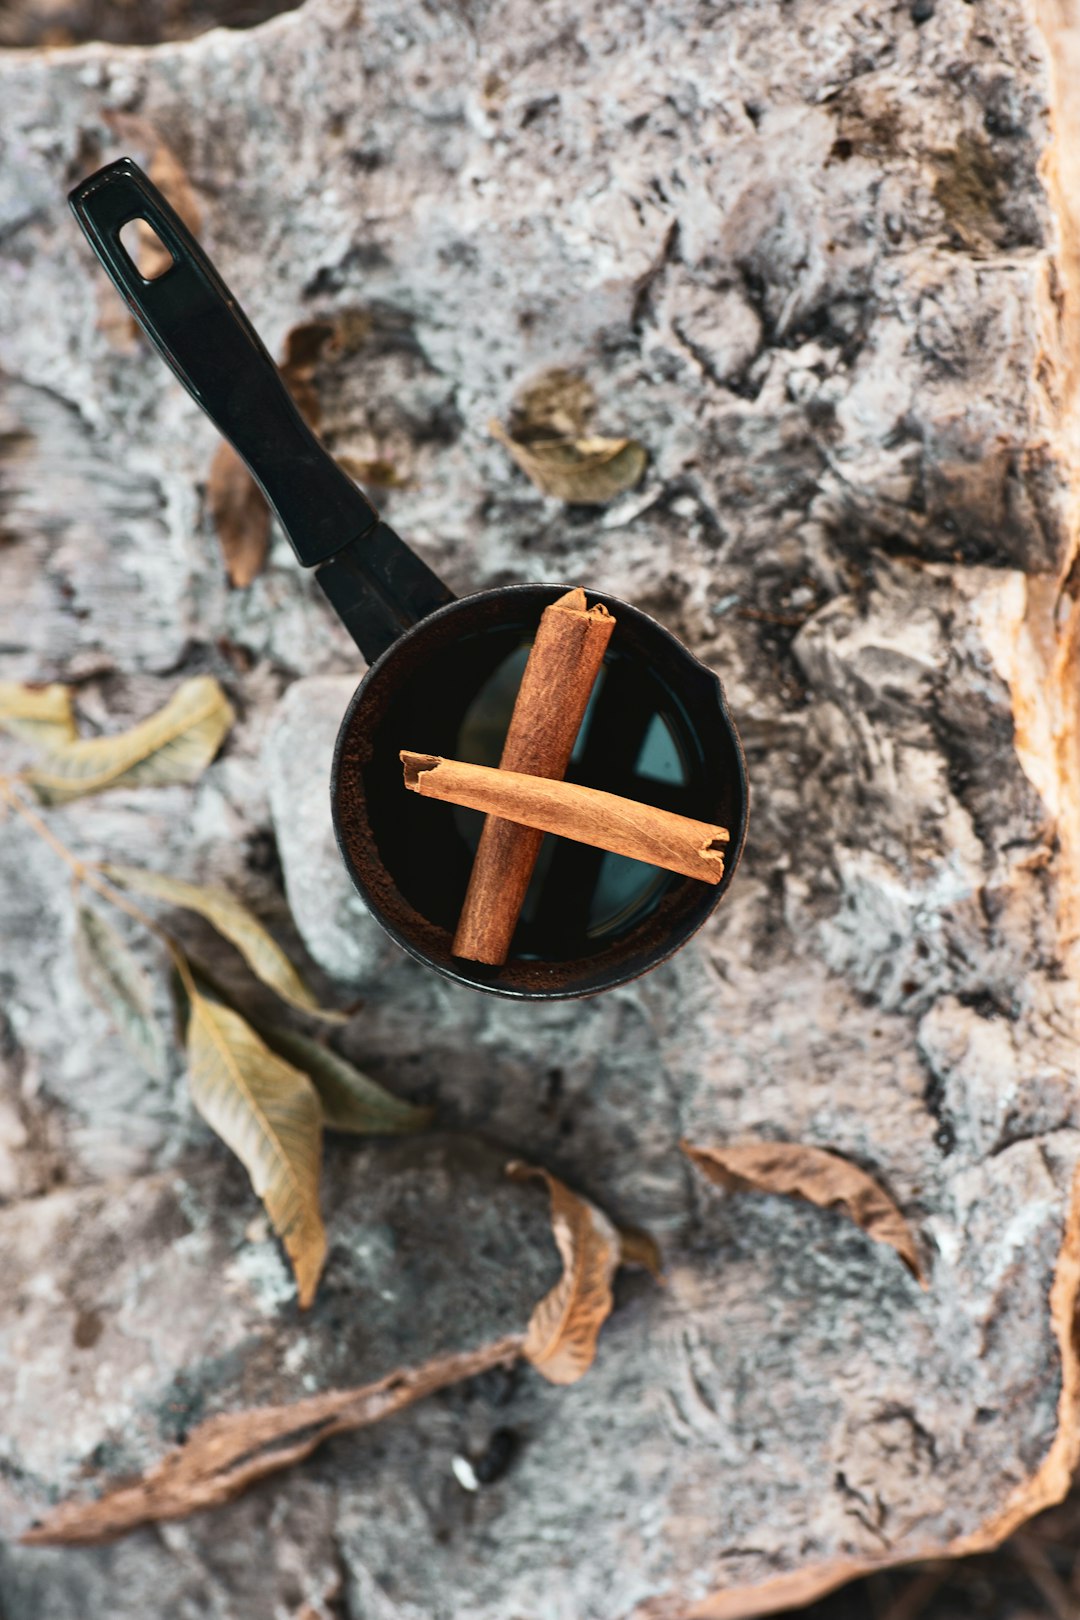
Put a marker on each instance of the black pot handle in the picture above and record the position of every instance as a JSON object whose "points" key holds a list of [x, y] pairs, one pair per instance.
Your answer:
{"points": [[377, 585]]}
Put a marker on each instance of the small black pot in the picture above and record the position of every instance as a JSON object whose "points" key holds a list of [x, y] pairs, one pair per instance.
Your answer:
{"points": [[443, 671]]}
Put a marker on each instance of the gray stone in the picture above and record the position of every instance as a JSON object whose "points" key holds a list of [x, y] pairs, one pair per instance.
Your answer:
{"points": [[97, 1274], [804, 254], [336, 926]]}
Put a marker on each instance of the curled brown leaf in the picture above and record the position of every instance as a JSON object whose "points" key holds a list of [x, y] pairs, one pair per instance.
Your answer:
{"points": [[227, 1453], [172, 180], [241, 516], [564, 1327], [639, 1249], [304, 345], [796, 1170], [555, 405], [165, 169], [237, 504], [586, 472], [376, 470], [547, 438]]}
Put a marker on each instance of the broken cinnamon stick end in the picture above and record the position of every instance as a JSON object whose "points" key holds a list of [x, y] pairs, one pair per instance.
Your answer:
{"points": [[573, 602], [415, 766], [712, 852]]}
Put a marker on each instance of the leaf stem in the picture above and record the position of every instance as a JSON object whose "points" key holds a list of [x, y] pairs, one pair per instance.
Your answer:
{"points": [[90, 873], [45, 832]]}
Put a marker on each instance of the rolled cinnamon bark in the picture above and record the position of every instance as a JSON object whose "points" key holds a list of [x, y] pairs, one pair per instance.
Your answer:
{"points": [[554, 693], [624, 826]]}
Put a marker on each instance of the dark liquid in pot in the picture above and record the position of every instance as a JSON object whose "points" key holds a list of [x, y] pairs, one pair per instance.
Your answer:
{"points": [[636, 740]]}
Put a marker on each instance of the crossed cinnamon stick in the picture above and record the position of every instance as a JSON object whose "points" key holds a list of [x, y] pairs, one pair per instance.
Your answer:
{"points": [[587, 815], [526, 796]]}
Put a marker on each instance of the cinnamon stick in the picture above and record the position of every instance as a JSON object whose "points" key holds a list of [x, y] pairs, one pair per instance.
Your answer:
{"points": [[554, 693], [624, 826]]}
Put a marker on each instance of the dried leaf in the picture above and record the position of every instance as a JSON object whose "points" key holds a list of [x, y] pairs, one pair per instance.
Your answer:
{"points": [[174, 745], [121, 989], [303, 346], [270, 1115], [262, 953], [564, 1327], [351, 1102], [376, 471], [639, 1249], [587, 472], [114, 321], [225, 1454], [237, 504], [41, 715], [352, 330], [171, 179], [556, 405], [241, 516], [797, 1171]]}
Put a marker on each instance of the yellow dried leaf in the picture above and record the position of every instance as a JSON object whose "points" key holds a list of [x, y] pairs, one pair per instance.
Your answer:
{"points": [[41, 715], [351, 1102], [587, 472], [270, 1115], [260, 950], [564, 1327], [174, 745], [241, 516], [556, 405], [797, 1171]]}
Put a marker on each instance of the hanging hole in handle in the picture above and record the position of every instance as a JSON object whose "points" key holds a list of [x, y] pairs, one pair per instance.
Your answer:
{"points": [[145, 249]]}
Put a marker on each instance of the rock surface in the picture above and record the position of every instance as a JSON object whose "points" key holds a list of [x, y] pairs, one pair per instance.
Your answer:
{"points": [[181, 1260], [804, 254], [336, 926]]}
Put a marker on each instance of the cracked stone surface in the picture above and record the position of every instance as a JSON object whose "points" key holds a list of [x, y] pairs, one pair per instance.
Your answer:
{"points": [[807, 255]]}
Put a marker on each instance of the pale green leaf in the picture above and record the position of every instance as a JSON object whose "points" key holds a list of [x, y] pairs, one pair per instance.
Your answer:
{"points": [[270, 1115], [262, 953], [121, 989], [41, 715], [174, 745], [351, 1102], [587, 472]]}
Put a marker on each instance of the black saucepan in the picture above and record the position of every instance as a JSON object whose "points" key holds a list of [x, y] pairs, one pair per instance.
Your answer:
{"points": [[444, 671]]}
